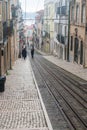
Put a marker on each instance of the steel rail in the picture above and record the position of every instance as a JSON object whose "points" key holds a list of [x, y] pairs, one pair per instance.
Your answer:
{"points": [[84, 123]]}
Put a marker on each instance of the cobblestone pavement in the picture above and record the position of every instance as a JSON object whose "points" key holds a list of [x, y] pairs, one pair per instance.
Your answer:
{"points": [[20, 106]]}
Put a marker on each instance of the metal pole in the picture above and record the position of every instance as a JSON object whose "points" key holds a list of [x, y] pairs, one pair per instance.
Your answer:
{"points": [[68, 33]]}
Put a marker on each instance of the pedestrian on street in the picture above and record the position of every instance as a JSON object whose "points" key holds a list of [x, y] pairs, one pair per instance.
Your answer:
{"points": [[28, 44], [32, 51], [24, 52]]}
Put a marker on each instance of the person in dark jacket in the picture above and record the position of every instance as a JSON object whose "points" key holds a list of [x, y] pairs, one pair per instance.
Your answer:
{"points": [[24, 53], [32, 51]]}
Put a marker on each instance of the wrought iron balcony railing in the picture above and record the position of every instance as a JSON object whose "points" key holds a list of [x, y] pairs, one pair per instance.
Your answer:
{"points": [[60, 38], [14, 11], [47, 35], [10, 28], [4, 31]]}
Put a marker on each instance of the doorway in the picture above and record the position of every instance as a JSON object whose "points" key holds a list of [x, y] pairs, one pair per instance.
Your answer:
{"points": [[81, 53], [76, 50]]}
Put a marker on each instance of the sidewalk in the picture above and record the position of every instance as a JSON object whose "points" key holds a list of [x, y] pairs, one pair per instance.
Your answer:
{"points": [[68, 66], [20, 104]]}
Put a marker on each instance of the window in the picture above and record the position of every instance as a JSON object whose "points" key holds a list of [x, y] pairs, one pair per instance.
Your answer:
{"points": [[46, 11], [58, 10], [56, 27], [71, 47], [83, 14], [63, 10], [62, 39], [76, 45], [77, 13], [72, 14], [81, 53], [4, 10], [49, 11], [65, 31]]}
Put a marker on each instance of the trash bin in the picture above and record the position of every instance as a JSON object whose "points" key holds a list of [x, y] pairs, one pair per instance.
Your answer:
{"points": [[2, 83]]}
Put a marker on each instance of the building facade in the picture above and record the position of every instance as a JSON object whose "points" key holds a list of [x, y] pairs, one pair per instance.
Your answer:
{"points": [[8, 34], [78, 32], [4, 45], [48, 25], [61, 28], [38, 28]]}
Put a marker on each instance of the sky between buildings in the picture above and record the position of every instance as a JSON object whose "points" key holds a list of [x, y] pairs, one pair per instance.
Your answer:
{"points": [[32, 5]]}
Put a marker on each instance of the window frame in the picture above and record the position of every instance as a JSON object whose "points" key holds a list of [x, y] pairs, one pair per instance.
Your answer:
{"points": [[77, 13], [71, 43], [83, 20]]}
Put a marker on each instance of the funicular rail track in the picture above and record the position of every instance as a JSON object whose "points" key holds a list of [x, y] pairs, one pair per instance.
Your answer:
{"points": [[72, 87], [78, 82], [66, 91]]}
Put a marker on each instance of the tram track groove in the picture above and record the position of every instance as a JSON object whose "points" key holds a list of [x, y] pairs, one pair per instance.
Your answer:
{"points": [[64, 98], [84, 122], [70, 76], [71, 86]]}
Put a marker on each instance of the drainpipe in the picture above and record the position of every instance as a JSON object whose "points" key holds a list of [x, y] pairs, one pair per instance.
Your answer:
{"points": [[68, 33]]}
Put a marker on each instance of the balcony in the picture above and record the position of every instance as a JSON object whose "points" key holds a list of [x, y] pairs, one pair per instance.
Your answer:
{"points": [[4, 31], [7, 29], [14, 11], [61, 10], [60, 38], [10, 28], [46, 34]]}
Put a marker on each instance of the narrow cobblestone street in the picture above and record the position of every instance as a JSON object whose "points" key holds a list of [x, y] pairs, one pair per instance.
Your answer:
{"points": [[20, 106]]}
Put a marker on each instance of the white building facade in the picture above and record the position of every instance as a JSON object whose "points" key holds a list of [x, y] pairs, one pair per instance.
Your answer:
{"points": [[61, 28]]}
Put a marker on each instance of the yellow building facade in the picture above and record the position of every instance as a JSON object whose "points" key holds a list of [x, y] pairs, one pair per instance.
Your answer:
{"points": [[49, 25]]}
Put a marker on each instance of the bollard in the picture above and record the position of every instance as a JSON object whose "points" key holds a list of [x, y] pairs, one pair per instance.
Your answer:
{"points": [[2, 83]]}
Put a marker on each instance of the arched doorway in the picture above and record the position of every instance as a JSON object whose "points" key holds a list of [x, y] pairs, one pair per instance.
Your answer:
{"points": [[81, 53], [76, 50]]}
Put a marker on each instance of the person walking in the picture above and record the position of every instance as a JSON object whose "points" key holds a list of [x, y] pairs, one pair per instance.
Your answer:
{"points": [[24, 52], [32, 51]]}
